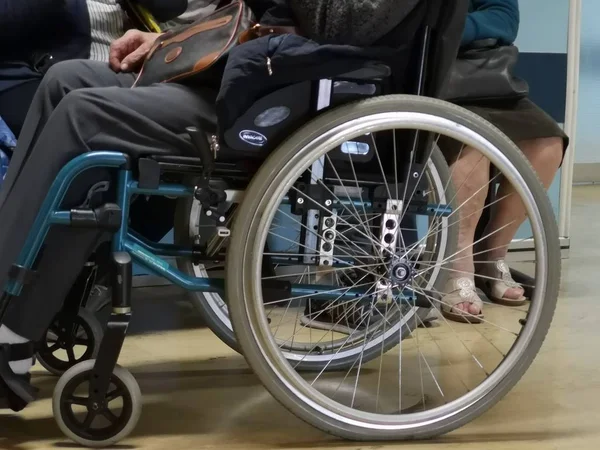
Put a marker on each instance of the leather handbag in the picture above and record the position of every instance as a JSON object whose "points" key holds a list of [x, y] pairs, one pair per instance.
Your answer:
{"points": [[193, 51], [484, 71]]}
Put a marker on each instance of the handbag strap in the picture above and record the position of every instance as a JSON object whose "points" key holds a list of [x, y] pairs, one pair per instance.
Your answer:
{"points": [[258, 31]]}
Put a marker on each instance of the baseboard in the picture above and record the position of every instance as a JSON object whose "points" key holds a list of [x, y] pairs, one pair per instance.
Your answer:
{"points": [[585, 173], [523, 250]]}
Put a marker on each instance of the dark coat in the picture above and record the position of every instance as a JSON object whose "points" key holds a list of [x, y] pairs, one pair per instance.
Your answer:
{"points": [[37, 33], [353, 22], [294, 59]]}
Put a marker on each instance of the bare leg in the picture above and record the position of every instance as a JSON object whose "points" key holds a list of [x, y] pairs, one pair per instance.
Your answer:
{"points": [[470, 176], [508, 214]]}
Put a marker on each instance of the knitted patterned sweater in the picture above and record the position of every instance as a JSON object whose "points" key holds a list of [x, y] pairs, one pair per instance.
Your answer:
{"points": [[354, 22]]}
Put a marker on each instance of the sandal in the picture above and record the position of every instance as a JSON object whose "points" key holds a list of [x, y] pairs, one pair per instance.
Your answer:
{"points": [[461, 290], [495, 289]]}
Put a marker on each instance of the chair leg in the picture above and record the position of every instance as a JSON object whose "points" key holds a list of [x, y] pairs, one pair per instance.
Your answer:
{"points": [[116, 331]]}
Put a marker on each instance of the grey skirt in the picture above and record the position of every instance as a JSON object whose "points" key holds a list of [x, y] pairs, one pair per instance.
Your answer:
{"points": [[521, 120]]}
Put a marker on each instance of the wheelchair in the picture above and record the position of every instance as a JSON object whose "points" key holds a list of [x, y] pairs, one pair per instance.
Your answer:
{"points": [[319, 260]]}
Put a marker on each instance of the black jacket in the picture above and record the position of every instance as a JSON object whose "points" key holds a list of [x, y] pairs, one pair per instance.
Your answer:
{"points": [[264, 65], [33, 30]]}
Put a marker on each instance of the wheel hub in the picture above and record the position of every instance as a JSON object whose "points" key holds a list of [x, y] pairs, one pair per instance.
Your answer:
{"points": [[401, 273]]}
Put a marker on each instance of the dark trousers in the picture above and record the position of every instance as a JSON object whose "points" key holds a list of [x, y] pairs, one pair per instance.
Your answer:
{"points": [[81, 106], [14, 104]]}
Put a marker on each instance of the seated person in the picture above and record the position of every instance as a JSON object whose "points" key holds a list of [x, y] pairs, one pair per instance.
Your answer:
{"points": [[82, 106], [62, 31], [542, 141], [78, 29], [79, 107]]}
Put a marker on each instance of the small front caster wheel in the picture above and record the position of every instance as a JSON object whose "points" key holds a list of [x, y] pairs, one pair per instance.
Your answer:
{"points": [[92, 424], [69, 341]]}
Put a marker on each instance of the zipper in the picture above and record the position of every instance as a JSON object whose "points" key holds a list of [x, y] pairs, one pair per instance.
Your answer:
{"points": [[269, 66]]}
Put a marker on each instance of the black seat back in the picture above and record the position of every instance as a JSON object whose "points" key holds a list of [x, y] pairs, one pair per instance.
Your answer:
{"points": [[271, 90], [447, 31]]}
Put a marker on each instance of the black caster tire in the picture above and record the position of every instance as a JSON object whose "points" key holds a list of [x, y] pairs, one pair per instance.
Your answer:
{"points": [[100, 298], [86, 333], [96, 426]]}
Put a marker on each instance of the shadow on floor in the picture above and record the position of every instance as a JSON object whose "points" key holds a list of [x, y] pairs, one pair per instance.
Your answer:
{"points": [[160, 309], [165, 378]]}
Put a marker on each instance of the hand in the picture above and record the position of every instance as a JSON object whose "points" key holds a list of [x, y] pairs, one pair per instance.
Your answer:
{"points": [[128, 52]]}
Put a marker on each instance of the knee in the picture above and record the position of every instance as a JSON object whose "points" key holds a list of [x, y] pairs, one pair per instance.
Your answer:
{"points": [[548, 151], [472, 165], [77, 111], [62, 78], [76, 103]]}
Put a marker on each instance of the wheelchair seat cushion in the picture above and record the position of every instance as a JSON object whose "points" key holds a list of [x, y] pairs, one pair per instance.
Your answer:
{"points": [[261, 66]]}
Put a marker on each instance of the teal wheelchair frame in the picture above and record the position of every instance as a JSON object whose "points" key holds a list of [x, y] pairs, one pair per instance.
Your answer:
{"points": [[129, 247], [113, 218]]}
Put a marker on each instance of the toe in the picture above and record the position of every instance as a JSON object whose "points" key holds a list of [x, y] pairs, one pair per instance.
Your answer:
{"points": [[461, 307], [514, 293], [474, 309]]}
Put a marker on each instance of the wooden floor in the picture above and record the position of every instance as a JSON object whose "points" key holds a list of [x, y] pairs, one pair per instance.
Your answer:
{"points": [[199, 394]]}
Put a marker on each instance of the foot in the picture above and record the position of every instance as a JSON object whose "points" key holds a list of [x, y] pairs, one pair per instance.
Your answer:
{"points": [[16, 391], [461, 302], [497, 283]]}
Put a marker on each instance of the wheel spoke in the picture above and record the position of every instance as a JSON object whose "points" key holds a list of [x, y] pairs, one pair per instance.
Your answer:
{"points": [[71, 355], [347, 339], [74, 400], [442, 368], [89, 419], [54, 347], [114, 394], [331, 306], [110, 416], [362, 352], [82, 341]]}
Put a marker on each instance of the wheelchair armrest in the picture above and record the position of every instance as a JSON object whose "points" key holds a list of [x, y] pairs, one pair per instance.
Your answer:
{"points": [[372, 71]]}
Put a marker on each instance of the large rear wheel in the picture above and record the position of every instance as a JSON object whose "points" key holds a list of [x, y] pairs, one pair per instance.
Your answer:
{"points": [[192, 227], [443, 377]]}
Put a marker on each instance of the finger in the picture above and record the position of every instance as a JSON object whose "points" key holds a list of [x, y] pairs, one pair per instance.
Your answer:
{"points": [[116, 54], [133, 59], [121, 47]]}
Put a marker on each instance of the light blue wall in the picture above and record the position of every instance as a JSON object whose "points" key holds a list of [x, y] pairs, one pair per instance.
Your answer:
{"points": [[544, 26], [544, 29], [588, 118]]}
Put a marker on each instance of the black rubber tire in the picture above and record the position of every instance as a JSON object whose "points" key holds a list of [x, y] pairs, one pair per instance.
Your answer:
{"points": [[266, 362], [225, 331], [132, 390], [94, 331]]}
